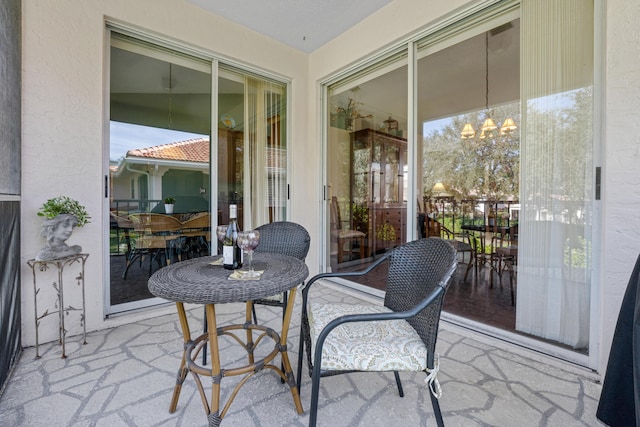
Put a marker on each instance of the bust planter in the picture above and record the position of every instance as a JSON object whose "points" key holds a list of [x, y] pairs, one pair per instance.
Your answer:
{"points": [[62, 215], [57, 230]]}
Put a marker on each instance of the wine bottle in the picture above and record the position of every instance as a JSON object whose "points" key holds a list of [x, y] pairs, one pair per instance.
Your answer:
{"points": [[231, 252]]}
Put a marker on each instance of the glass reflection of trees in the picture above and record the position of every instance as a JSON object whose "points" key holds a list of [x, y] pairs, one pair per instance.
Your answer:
{"points": [[486, 168]]}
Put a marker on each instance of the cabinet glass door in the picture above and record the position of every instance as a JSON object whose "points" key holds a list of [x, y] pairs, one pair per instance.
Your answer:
{"points": [[391, 172]]}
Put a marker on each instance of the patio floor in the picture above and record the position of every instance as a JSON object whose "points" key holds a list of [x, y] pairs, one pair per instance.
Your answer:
{"points": [[125, 376]]}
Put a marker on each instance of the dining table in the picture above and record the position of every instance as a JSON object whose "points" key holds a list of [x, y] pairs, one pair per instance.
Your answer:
{"points": [[499, 229], [204, 281]]}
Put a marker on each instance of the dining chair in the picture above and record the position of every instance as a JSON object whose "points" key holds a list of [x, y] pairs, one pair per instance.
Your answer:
{"points": [[399, 335], [156, 234], [197, 232], [504, 256], [344, 236], [461, 242], [285, 238], [122, 224]]}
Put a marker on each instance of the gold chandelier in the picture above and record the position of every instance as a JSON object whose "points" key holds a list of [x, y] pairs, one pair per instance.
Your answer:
{"points": [[488, 126]]}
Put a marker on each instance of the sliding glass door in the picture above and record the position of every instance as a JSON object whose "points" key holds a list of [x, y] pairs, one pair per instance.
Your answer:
{"points": [[367, 165], [504, 166], [177, 158], [160, 123]]}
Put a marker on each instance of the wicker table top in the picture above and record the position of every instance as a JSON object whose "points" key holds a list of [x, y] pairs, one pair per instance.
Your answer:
{"points": [[198, 281]]}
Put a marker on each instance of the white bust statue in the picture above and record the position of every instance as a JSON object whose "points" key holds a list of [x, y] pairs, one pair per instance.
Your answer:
{"points": [[57, 230]]}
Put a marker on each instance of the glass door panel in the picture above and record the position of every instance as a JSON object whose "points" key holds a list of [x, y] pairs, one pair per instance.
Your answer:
{"points": [[505, 119], [160, 109], [160, 146], [252, 148], [366, 149]]}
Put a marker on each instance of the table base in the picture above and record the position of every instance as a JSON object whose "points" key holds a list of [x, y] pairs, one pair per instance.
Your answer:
{"points": [[192, 349]]}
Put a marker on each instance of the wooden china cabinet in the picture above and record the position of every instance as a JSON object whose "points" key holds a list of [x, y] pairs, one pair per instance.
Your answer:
{"points": [[378, 183]]}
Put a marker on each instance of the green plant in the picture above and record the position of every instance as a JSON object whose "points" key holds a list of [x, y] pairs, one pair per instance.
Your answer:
{"points": [[169, 200], [64, 205], [360, 218], [386, 232]]}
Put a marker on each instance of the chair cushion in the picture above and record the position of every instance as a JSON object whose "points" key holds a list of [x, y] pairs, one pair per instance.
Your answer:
{"points": [[277, 298], [390, 345], [348, 234]]}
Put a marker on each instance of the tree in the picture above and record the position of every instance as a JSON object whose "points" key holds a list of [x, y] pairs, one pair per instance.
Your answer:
{"points": [[487, 168]]}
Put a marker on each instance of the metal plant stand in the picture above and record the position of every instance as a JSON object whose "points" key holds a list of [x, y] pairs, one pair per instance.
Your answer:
{"points": [[60, 264]]}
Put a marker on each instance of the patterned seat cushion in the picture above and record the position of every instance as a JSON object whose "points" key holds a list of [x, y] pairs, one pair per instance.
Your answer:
{"points": [[277, 298], [390, 345]]}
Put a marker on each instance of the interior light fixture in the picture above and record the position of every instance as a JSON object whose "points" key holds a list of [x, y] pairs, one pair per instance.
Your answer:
{"points": [[438, 188], [467, 131], [488, 126], [508, 126]]}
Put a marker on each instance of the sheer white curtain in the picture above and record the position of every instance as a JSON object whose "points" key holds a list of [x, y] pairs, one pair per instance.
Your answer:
{"points": [[265, 152], [554, 272]]}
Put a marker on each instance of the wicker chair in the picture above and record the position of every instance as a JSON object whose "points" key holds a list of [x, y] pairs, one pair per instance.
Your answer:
{"points": [[286, 238], [197, 231], [344, 338]]}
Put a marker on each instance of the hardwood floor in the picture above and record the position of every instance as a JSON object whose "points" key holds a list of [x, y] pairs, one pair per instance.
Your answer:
{"points": [[477, 300]]}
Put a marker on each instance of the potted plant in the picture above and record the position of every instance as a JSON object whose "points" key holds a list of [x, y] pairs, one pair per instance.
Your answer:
{"points": [[168, 204], [65, 205], [386, 235], [62, 215]]}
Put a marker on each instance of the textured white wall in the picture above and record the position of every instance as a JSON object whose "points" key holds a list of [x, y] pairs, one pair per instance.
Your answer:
{"points": [[64, 110], [621, 166]]}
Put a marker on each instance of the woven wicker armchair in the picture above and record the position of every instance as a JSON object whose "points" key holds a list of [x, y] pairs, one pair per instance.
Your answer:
{"points": [[285, 238], [342, 338]]}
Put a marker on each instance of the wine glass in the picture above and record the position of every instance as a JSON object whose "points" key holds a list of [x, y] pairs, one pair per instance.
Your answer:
{"points": [[221, 232], [248, 241]]}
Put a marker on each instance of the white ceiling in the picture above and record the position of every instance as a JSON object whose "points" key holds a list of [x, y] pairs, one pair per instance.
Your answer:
{"points": [[302, 24]]}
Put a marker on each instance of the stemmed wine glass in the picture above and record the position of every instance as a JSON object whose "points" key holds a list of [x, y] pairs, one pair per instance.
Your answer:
{"points": [[221, 232], [248, 241]]}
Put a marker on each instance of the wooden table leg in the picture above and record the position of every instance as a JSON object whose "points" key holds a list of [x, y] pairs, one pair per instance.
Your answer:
{"points": [[249, 345], [182, 371], [216, 377]]}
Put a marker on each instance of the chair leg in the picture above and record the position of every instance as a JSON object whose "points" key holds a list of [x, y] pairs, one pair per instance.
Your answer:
{"points": [[436, 409], [204, 348], [512, 272], [469, 265], [255, 317], [285, 298], [398, 383], [315, 392], [300, 355]]}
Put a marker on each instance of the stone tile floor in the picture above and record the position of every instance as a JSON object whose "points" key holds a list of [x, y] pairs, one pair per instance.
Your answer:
{"points": [[124, 377]]}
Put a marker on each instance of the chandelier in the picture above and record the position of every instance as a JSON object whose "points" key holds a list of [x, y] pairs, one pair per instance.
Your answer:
{"points": [[488, 126]]}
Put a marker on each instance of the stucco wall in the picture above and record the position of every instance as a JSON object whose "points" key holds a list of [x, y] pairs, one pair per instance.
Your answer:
{"points": [[64, 45], [621, 161]]}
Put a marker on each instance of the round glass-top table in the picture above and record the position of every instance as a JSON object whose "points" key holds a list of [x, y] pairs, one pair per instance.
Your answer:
{"points": [[205, 281]]}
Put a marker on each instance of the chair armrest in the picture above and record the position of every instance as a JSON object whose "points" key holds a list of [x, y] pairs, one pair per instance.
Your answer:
{"points": [[314, 279], [371, 266]]}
